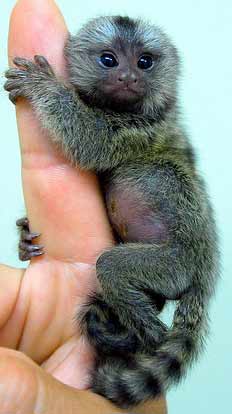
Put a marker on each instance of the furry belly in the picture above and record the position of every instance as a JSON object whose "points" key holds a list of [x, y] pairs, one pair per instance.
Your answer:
{"points": [[133, 218]]}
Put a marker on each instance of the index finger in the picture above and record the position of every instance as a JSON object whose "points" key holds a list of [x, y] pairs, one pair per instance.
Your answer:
{"points": [[62, 202]]}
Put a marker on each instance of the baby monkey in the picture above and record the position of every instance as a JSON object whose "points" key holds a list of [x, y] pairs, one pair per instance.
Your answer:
{"points": [[117, 115]]}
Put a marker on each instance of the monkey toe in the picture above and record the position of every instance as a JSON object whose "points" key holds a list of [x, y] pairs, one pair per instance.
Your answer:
{"points": [[25, 234], [15, 84], [22, 222], [27, 250], [24, 63], [42, 62], [13, 97]]}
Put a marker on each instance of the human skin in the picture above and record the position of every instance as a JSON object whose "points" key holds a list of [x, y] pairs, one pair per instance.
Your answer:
{"points": [[44, 361]]}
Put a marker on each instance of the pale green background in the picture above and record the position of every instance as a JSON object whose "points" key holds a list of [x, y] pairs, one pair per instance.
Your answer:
{"points": [[202, 29]]}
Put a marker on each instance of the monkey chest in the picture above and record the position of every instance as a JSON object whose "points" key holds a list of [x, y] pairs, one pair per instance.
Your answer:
{"points": [[133, 213]]}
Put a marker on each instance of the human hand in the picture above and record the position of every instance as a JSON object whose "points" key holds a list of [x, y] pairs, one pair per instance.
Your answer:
{"points": [[38, 305]]}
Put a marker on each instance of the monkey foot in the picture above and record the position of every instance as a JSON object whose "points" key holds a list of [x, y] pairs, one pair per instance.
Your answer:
{"points": [[27, 249]]}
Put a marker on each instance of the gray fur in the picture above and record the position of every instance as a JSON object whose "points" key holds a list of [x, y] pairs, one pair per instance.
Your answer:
{"points": [[156, 201]]}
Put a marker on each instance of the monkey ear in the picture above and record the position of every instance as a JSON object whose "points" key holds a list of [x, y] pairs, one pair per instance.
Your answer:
{"points": [[59, 199]]}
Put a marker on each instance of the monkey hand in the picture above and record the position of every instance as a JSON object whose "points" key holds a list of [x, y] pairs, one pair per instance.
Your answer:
{"points": [[27, 76]]}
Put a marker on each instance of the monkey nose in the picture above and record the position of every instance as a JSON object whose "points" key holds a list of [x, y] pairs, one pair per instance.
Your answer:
{"points": [[127, 78]]}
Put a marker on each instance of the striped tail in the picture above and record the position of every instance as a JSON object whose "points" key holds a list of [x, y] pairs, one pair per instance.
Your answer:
{"points": [[131, 380]]}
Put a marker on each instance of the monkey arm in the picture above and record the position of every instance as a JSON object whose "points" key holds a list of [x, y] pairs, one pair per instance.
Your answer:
{"points": [[88, 137]]}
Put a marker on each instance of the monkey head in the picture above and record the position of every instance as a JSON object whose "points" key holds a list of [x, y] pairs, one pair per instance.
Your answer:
{"points": [[123, 64]]}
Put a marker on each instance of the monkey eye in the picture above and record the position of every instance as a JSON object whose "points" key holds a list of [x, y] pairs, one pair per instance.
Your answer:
{"points": [[145, 62], [108, 60]]}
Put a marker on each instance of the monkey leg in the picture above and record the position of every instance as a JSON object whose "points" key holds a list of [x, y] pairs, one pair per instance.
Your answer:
{"points": [[131, 275], [27, 250]]}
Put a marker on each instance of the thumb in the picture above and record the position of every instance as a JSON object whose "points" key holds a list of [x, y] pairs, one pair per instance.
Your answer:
{"points": [[27, 389]]}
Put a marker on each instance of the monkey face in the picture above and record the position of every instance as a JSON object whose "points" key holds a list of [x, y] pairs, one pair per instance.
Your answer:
{"points": [[123, 64], [124, 74]]}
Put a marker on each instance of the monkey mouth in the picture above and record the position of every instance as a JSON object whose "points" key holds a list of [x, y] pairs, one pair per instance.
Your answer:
{"points": [[126, 93]]}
